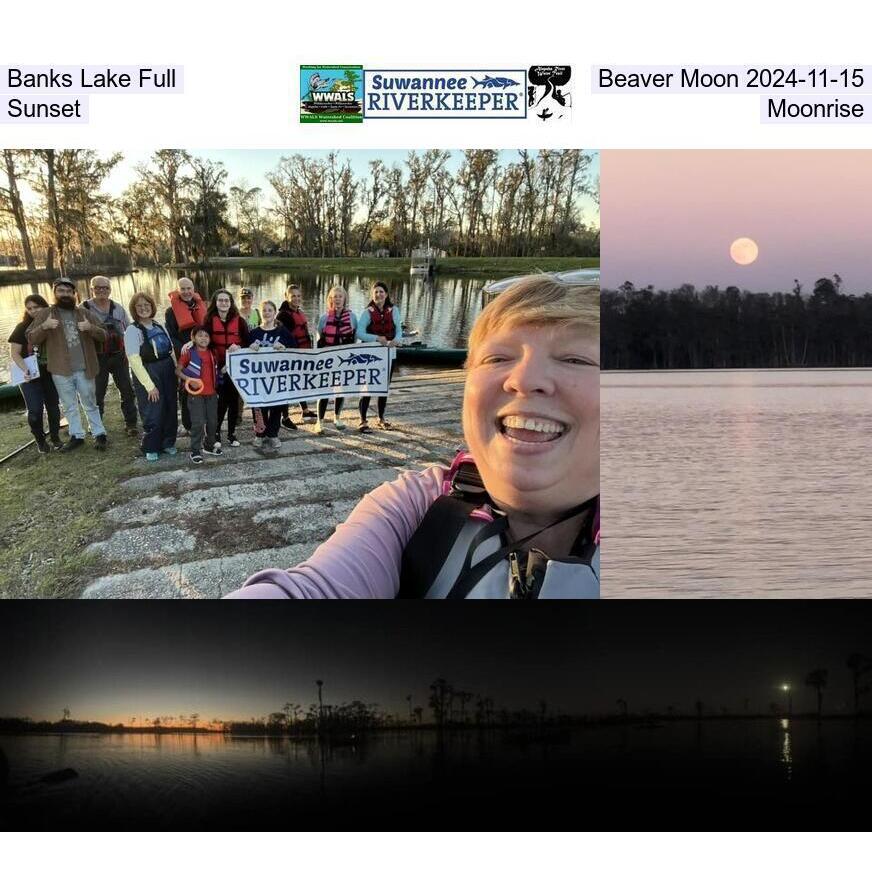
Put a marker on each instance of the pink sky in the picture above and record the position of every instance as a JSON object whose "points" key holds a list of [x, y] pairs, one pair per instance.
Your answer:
{"points": [[668, 217]]}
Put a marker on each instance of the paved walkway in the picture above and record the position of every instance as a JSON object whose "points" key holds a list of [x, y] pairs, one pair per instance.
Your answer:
{"points": [[199, 532]]}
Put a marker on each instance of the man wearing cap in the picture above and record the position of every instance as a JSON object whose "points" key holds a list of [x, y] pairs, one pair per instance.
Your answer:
{"points": [[111, 356], [70, 335], [186, 311]]}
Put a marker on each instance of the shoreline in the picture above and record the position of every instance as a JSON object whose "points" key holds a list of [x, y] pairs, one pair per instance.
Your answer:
{"points": [[456, 266]]}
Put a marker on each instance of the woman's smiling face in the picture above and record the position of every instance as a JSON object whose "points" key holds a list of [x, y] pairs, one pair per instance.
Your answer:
{"points": [[531, 416]]}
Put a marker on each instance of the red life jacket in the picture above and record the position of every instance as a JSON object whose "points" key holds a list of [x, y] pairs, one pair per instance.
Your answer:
{"points": [[203, 365], [300, 328], [382, 322], [224, 334], [187, 317], [337, 331]]}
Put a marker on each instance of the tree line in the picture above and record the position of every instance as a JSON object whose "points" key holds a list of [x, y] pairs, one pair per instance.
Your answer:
{"points": [[450, 705], [184, 209], [683, 328]]}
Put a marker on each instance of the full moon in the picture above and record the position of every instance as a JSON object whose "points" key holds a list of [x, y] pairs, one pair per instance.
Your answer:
{"points": [[744, 251]]}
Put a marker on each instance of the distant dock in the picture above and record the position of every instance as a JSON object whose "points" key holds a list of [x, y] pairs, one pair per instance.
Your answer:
{"points": [[185, 532]]}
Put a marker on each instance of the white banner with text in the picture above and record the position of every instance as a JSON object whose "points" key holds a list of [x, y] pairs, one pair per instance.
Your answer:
{"points": [[270, 378]]}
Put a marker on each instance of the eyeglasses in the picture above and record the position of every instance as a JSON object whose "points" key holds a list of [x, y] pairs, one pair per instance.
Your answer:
{"points": [[101, 287]]}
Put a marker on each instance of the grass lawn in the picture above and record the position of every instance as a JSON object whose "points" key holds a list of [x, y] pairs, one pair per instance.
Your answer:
{"points": [[498, 267], [51, 506]]}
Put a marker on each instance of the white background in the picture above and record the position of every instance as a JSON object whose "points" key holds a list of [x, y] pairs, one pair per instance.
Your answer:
{"points": [[242, 68], [242, 90]]}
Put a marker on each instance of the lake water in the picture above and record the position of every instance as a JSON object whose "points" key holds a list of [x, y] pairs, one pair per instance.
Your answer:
{"points": [[443, 309], [619, 774], [752, 483]]}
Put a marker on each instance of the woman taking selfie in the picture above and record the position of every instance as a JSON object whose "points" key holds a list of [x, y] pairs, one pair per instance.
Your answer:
{"points": [[514, 516]]}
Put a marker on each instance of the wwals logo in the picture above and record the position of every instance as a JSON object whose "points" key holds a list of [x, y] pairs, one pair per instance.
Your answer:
{"points": [[332, 93]]}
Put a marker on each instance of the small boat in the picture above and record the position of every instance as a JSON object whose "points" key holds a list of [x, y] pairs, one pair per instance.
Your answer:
{"points": [[423, 261], [10, 392]]}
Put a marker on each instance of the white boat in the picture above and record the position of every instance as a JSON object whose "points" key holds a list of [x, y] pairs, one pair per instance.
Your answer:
{"points": [[423, 261]]}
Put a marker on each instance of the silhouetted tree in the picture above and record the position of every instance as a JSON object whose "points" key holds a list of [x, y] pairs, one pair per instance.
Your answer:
{"points": [[817, 679], [859, 665]]}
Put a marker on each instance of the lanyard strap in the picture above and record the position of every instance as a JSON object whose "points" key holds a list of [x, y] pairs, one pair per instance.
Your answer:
{"points": [[470, 575]]}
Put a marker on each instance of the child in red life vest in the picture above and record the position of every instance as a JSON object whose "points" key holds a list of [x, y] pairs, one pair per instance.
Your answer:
{"points": [[199, 365]]}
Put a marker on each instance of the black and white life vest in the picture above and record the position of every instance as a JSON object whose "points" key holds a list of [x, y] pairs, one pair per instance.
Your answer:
{"points": [[462, 550]]}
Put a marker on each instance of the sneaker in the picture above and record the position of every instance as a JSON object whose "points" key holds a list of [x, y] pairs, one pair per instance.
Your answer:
{"points": [[42, 446], [233, 442], [309, 415], [217, 445], [214, 451], [101, 443], [131, 430], [384, 425], [196, 458], [269, 444], [275, 442], [56, 443], [319, 427], [172, 450], [258, 442], [152, 456], [73, 443], [363, 427], [338, 424], [288, 424]]}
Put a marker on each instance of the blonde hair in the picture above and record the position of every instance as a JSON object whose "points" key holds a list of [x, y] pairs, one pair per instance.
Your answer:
{"points": [[539, 301], [268, 303], [331, 294]]}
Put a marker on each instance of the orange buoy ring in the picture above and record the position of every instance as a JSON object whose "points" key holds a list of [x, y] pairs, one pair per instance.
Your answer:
{"points": [[194, 386]]}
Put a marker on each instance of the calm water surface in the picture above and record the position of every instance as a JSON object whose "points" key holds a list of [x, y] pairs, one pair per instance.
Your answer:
{"points": [[179, 780], [442, 309], [737, 483]]}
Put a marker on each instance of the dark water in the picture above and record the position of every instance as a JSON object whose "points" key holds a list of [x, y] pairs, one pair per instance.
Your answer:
{"points": [[714, 774], [443, 309]]}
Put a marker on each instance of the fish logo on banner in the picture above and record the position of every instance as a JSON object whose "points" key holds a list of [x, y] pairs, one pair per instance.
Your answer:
{"points": [[457, 93], [272, 378]]}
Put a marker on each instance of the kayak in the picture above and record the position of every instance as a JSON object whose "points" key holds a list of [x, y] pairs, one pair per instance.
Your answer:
{"points": [[10, 392]]}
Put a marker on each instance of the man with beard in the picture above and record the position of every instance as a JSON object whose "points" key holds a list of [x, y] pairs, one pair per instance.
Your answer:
{"points": [[186, 311], [71, 335]]}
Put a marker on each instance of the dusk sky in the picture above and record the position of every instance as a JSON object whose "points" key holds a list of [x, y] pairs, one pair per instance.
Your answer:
{"points": [[669, 217], [111, 661]]}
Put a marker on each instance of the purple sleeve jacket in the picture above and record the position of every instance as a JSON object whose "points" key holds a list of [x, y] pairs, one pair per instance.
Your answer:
{"points": [[361, 560]]}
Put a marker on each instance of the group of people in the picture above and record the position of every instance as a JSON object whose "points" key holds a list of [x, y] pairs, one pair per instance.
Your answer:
{"points": [[178, 366], [514, 515]]}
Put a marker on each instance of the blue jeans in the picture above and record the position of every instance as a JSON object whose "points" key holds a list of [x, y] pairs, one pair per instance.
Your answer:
{"points": [[74, 389]]}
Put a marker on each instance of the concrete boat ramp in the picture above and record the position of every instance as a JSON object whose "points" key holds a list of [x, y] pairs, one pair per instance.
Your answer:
{"points": [[182, 531]]}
